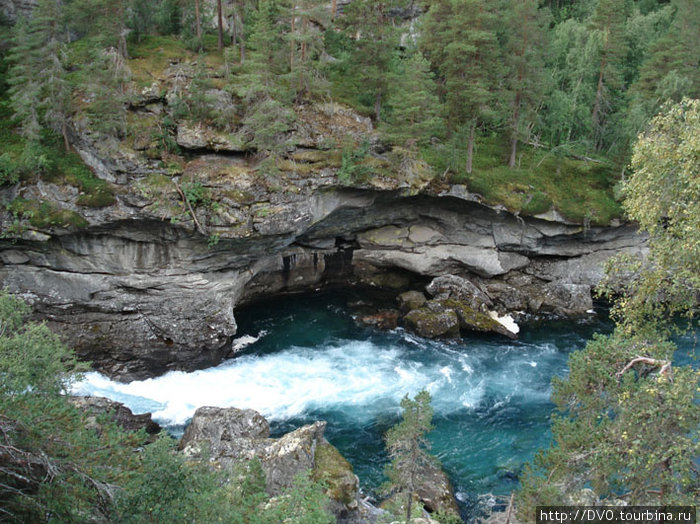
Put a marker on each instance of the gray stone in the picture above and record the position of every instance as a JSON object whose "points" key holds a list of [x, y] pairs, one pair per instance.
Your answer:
{"points": [[461, 289], [410, 300], [217, 425], [433, 324], [123, 416], [230, 436]]}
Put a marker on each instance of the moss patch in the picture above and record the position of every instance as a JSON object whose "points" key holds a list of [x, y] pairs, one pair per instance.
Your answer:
{"points": [[42, 214], [335, 472], [580, 190]]}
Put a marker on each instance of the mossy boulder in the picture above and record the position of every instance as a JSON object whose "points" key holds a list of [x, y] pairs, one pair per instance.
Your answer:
{"points": [[336, 474], [411, 300], [472, 320], [433, 324]]}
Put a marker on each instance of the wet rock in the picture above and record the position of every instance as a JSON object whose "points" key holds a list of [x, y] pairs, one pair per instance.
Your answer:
{"points": [[123, 416], [385, 320], [459, 289], [474, 320], [435, 491], [411, 300], [433, 324]]}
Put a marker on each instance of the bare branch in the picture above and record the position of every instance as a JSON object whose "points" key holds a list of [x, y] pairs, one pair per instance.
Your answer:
{"points": [[189, 208], [663, 365]]}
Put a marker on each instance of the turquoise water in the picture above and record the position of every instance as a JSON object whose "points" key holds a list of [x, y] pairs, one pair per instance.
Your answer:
{"points": [[305, 359]]}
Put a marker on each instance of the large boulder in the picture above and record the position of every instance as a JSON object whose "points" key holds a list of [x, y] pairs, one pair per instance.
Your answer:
{"points": [[435, 491], [461, 289], [221, 426], [231, 436], [410, 300], [433, 322], [471, 319]]}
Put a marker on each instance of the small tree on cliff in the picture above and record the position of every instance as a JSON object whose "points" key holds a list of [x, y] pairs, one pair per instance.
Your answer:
{"points": [[408, 445]]}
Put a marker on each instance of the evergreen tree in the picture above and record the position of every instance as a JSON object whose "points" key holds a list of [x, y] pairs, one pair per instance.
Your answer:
{"points": [[107, 75], [268, 116], [373, 26], [466, 54], [525, 30], [105, 21], [40, 93], [306, 44], [408, 446], [672, 69], [415, 107], [607, 24]]}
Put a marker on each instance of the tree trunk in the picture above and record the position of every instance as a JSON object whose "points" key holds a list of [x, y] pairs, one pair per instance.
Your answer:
{"points": [[334, 9], [198, 20], [64, 132], [291, 46], [514, 136], [242, 34], [378, 106], [219, 14], [470, 147]]}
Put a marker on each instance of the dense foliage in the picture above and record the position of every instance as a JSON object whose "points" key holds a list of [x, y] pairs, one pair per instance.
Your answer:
{"points": [[466, 85], [628, 418]]}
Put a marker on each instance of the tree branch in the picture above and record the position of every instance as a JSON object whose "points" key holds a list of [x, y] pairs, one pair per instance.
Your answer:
{"points": [[189, 208], [664, 365]]}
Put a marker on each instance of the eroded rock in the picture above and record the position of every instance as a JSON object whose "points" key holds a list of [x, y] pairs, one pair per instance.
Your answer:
{"points": [[230, 436]]}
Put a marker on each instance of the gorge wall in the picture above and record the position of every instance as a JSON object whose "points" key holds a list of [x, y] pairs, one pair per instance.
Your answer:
{"points": [[139, 296], [148, 279]]}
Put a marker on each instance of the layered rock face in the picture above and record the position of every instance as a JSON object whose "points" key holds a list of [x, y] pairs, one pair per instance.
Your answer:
{"points": [[150, 283], [139, 296], [13, 9]]}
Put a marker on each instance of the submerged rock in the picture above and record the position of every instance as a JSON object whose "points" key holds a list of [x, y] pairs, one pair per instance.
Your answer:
{"points": [[387, 319]]}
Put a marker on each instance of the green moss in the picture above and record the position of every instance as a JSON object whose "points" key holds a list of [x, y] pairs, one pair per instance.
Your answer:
{"points": [[580, 190], [152, 55], [42, 214], [335, 472], [469, 318]]}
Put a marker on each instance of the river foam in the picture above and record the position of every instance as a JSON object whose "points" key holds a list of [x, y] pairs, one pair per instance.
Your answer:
{"points": [[361, 377]]}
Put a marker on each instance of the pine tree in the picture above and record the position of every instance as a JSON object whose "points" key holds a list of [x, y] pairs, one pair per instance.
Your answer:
{"points": [[268, 116], [416, 110], [466, 54], [408, 446], [373, 26], [40, 93], [524, 50], [306, 43], [607, 23]]}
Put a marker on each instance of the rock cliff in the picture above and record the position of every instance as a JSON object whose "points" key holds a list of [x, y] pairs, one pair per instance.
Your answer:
{"points": [[150, 281]]}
